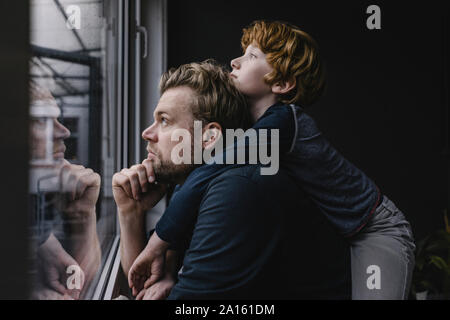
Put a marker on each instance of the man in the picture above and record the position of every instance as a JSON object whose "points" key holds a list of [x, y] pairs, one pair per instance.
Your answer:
{"points": [[74, 196], [255, 236]]}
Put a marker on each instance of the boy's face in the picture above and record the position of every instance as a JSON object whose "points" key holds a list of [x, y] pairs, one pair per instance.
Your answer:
{"points": [[249, 71]]}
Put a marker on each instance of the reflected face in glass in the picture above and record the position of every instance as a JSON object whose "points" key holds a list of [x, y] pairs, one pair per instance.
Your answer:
{"points": [[172, 112], [38, 131]]}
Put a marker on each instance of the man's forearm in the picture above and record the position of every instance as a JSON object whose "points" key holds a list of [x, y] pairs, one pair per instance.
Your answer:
{"points": [[172, 263], [80, 230], [132, 237], [83, 244]]}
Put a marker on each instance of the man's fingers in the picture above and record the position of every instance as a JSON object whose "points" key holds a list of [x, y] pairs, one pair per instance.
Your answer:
{"points": [[154, 295], [148, 165], [83, 278], [67, 180], [140, 295], [153, 278], [76, 294], [135, 282], [75, 179], [122, 181], [134, 182], [87, 179], [137, 179], [137, 285], [150, 295], [130, 278], [84, 180], [58, 287], [142, 175]]}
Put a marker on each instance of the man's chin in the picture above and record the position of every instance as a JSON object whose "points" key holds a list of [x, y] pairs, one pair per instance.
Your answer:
{"points": [[172, 173], [58, 156]]}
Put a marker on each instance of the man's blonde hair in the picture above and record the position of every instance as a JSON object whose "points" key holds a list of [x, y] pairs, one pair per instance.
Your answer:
{"points": [[40, 93], [293, 55], [216, 100]]}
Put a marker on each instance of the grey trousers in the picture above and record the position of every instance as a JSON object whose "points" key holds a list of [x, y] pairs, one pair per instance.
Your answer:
{"points": [[382, 255]]}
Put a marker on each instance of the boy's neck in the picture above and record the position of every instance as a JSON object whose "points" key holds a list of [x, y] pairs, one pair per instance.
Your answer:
{"points": [[259, 106]]}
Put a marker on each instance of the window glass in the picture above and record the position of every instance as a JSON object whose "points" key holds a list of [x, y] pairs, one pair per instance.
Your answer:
{"points": [[73, 111]]}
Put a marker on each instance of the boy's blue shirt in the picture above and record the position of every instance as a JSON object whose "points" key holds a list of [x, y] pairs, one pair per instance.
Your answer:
{"points": [[344, 193]]}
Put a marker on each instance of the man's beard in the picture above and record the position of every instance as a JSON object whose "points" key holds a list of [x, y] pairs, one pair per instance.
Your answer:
{"points": [[168, 172]]}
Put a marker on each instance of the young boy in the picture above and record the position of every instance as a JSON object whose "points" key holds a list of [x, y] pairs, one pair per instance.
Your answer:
{"points": [[281, 67]]}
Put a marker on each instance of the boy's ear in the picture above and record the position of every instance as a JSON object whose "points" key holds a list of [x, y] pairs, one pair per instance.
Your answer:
{"points": [[283, 87], [212, 132]]}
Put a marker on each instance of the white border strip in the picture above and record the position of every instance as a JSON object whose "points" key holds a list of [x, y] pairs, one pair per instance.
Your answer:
{"points": [[112, 278], [106, 268]]}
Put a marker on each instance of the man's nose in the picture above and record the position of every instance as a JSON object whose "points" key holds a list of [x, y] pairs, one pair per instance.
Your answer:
{"points": [[149, 134], [60, 131], [235, 64]]}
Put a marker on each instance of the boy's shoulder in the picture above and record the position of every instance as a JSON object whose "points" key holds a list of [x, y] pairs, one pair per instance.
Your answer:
{"points": [[277, 116], [304, 125], [294, 111], [280, 109]]}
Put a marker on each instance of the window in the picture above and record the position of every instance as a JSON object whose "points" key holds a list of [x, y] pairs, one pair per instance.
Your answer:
{"points": [[76, 87], [89, 60]]}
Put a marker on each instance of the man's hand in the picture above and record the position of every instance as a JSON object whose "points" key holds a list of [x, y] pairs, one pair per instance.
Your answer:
{"points": [[53, 262], [158, 291], [149, 265], [81, 187], [135, 190], [161, 289], [40, 292]]}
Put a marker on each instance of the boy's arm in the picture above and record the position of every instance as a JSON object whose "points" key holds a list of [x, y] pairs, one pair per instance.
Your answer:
{"points": [[284, 119]]}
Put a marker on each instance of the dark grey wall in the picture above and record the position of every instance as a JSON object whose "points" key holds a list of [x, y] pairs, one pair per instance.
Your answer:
{"points": [[384, 104], [14, 53]]}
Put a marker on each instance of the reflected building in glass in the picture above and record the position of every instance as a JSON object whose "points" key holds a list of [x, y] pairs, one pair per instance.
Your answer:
{"points": [[72, 140]]}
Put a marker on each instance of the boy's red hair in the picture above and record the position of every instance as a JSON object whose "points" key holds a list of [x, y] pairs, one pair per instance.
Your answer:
{"points": [[293, 54]]}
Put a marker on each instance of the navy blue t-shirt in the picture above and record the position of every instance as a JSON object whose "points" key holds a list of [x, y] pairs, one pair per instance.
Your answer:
{"points": [[260, 237]]}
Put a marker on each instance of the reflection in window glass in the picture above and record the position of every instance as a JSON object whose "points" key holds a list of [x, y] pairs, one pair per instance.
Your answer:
{"points": [[72, 112], [71, 124]]}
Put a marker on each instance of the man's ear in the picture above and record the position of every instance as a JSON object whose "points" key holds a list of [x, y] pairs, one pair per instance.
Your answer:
{"points": [[212, 132], [283, 87]]}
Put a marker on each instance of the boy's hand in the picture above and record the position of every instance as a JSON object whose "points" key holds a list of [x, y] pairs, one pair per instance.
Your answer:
{"points": [[149, 265]]}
